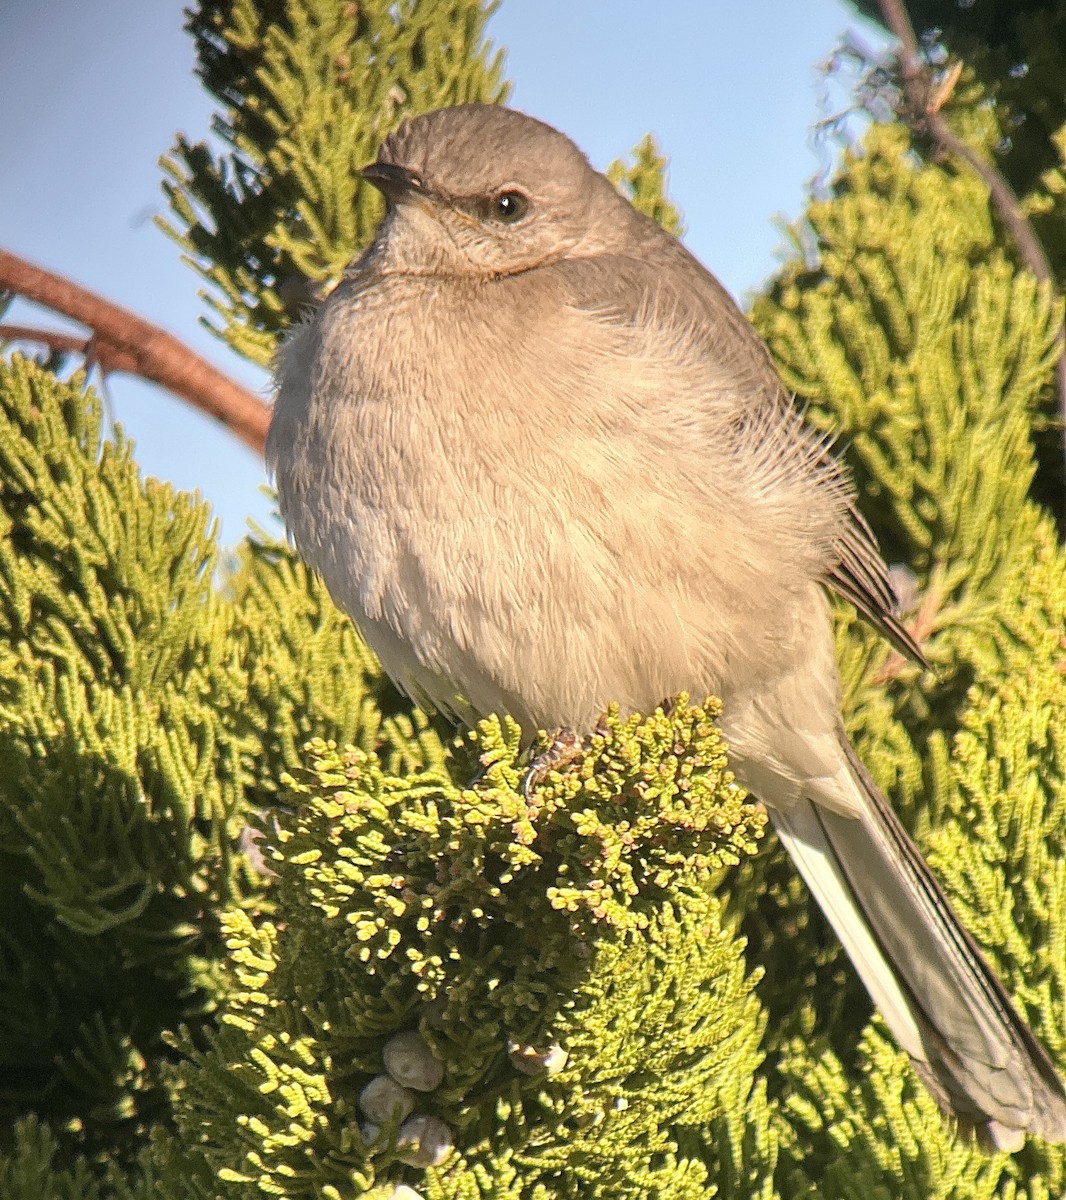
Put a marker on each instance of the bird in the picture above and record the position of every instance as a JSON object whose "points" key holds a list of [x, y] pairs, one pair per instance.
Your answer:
{"points": [[545, 463]]}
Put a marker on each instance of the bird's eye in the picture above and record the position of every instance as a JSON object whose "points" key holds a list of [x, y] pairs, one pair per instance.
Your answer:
{"points": [[509, 207]]}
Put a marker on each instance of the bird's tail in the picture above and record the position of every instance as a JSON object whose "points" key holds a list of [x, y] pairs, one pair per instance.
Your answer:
{"points": [[923, 970]]}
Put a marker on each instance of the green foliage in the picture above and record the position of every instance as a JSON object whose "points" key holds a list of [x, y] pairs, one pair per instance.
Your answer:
{"points": [[309, 89], [29, 1173], [308, 674], [121, 779], [913, 327], [1017, 49], [35, 1170], [913, 336], [998, 805], [917, 342], [1000, 840], [1010, 106], [143, 715], [644, 185], [580, 915]]}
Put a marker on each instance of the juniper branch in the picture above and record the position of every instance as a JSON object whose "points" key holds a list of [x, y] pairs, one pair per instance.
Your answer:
{"points": [[923, 108]]}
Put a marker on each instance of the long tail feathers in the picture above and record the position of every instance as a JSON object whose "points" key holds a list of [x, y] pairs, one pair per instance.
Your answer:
{"points": [[923, 970]]}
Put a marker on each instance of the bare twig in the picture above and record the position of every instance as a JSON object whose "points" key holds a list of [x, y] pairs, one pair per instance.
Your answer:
{"points": [[122, 341], [100, 354], [924, 101]]}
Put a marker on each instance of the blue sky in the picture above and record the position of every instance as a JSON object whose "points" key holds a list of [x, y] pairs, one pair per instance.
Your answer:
{"points": [[93, 94]]}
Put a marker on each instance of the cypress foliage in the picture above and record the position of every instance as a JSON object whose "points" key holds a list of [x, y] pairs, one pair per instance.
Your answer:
{"points": [[914, 336], [121, 774], [643, 183], [308, 90], [581, 917]]}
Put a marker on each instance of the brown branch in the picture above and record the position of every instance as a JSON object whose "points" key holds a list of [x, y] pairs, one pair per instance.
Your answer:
{"points": [[122, 341], [924, 105], [90, 348]]}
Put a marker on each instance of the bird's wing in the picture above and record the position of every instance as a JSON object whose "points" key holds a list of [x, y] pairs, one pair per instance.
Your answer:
{"points": [[668, 277], [861, 577]]}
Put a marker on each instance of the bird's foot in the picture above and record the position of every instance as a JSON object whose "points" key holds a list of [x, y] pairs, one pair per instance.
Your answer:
{"points": [[565, 747]]}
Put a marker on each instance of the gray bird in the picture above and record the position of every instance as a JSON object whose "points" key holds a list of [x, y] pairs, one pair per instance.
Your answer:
{"points": [[544, 462]]}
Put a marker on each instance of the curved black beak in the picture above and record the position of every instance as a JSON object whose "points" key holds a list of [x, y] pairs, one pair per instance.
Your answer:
{"points": [[394, 182]]}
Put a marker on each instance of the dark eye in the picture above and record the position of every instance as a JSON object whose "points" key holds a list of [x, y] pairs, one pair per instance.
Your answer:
{"points": [[509, 207]]}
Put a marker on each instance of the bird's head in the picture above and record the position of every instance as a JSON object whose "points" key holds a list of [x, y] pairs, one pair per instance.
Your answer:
{"points": [[483, 191]]}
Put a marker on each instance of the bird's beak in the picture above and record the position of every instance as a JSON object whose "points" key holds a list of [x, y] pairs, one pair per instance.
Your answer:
{"points": [[394, 182]]}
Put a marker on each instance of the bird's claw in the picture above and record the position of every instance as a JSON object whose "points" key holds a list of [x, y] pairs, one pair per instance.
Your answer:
{"points": [[564, 748]]}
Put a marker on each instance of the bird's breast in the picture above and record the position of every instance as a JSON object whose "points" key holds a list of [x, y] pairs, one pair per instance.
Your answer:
{"points": [[484, 489]]}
